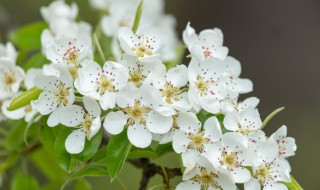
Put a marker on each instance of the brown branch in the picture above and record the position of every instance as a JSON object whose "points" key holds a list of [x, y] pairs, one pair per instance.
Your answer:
{"points": [[150, 169], [31, 148]]}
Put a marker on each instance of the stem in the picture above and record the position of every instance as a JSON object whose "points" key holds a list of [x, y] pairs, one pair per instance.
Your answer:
{"points": [[98, 46], [78, 99]]}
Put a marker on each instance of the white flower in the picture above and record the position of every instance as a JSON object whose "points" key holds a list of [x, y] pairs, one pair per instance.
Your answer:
{"points": [[137, 113], [8, 52], [208, 44], [70, 51], [86, 123], [205, 177], [26, 112], [232, 72], [145, 45], [237, 107], [57, 93], [10, 78], [244, 122], [232, 155], [287, 145], [206, 88], [190, 140], [101, 84], [171, 85], [268, 175], [59, 9], [100, 4]]}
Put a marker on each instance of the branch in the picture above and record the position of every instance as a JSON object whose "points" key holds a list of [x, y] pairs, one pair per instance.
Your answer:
{"points": [[150, 169]]}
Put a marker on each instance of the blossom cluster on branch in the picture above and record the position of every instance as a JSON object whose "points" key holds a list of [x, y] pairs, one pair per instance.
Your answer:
{"points": [[195, 106]]}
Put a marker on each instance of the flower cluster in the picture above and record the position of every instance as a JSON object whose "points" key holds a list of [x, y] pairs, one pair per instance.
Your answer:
{"points": [[136, 93]]}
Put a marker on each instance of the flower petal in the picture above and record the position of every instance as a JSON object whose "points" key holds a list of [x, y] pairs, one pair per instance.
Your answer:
{"points": [[115, 122], [139, 136], [75, 142]]}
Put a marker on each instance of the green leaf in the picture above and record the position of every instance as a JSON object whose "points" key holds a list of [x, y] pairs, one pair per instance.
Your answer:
{"points": [[90, 170], [144, 153], [118, 150], [25, 98], [28, 37], [8, 162], [90, 148], [137, 17], [82, 184], [25, 182], [15, 139], [163, 149], [294, 185], [100, 155], [270, 116], [36, 61], [66, 161], [47, 136]]}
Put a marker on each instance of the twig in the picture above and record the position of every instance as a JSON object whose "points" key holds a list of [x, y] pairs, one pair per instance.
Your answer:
{"points": [[150, 169]]}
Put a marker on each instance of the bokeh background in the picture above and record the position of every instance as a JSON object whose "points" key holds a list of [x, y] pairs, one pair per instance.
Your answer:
{"points": [[278, 44]]}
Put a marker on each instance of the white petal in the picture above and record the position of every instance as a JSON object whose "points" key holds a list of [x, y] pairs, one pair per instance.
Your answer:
{"points": [[225, 182], [95, 127], [234, 141], [46, 82], [275, 186], [54, 118], [139, 136], [92, 106], [30, 75], [280, 133], [45, 104], [178, 76], [253, 184], [230, 122], [240, 175], [72, 115], [114, 122], [188, 122], [180, 141], [16, 114], [190, 158], [128, 95], [108, 100], [188, 185], [158, 123], [75, 142], [212, 129]]}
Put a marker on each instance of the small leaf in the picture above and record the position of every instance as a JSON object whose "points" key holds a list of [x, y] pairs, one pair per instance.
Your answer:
{"points": [[25, 98], [294, 185], [47, 136], [36, 61], [28, 37], [15, 140], [90, 170], [90, 148], [66, 161], [100, 155], [270, 116], [118, 150], [137, 17], [142, 154], [163, 149], [82, 184], [25, 182]]}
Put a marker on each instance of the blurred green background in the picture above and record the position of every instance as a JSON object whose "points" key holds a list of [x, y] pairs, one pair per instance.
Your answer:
{"points": [[278, 44]]}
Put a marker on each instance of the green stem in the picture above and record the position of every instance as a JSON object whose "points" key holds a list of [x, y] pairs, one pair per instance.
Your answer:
{"points": [[270, 116], [98, 46]]}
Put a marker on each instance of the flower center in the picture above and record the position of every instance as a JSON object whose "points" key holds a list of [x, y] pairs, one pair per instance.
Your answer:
{"points": [[61, 94], [197, 141], [171, 93], [206, 52], [86, 125], [144, 47], [136, 77], [9, 79], [202, 86], [207, 179], [229, 160], [105, 84], [71, 55], [136, 113], [263, 174]]}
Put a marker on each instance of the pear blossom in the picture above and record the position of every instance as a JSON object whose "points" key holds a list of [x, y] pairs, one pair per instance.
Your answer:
{"points": [[10, 78], [244, 122], [191, 140], [287, 145], [171, 85], [206, 85], [57, 93], [237, 106], [208, 44], [86, 124], [102, 84], [8, 52], [59, 9], [138, 114], [232, 155], [145, 45], [204, 176], [70, 51]]}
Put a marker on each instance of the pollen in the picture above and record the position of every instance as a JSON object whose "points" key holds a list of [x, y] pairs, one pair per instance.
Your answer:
{"points": [[197, 141], [202, 86], [207, 180], [136, 77], [86, 125], [136, 113], [105, 84], [9, 79], [171, 93]]}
